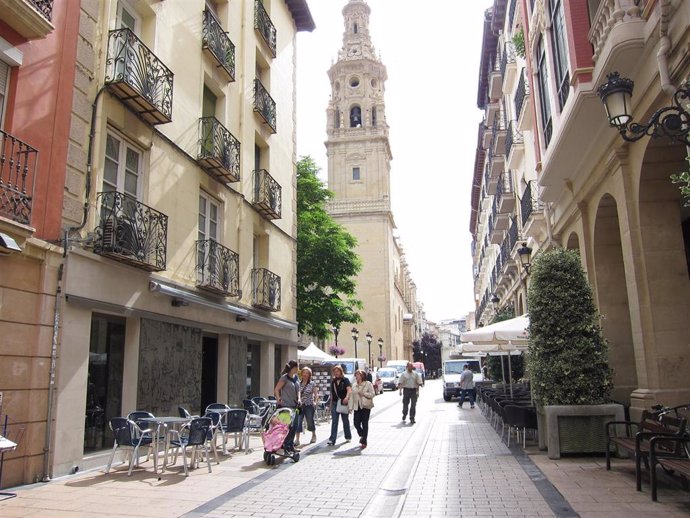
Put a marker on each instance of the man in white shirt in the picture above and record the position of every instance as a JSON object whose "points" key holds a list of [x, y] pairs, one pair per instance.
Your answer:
{"points": [[466, 386], [408, 386]]}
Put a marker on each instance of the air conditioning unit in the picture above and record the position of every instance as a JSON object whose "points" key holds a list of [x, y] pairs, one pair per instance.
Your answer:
{"points": [[119, 237]]}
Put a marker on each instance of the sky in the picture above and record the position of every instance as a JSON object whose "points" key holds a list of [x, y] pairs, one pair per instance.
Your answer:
{"points": [[431, 50]]}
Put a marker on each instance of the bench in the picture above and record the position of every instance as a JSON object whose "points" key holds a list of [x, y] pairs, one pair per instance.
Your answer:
{"points": [[638, 444], [678, 465]]}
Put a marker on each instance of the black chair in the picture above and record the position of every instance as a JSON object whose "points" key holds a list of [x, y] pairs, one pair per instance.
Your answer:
{"points": [[197, 432], [254, 415], [128, 435], [215, 430], [184, 412], [236, 424]]}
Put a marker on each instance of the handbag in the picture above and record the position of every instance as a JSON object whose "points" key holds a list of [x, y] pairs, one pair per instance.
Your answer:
{"points": [[342, 408]]}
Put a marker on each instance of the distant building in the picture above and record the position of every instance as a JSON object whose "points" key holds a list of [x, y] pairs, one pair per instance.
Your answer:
{"points": [[359, 157]]}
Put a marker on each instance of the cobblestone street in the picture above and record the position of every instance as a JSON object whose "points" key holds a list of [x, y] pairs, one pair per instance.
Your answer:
{"points": [[451, 463]]}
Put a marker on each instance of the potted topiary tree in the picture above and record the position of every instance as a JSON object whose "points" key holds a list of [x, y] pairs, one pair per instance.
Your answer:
{"points": [[568, 357]]}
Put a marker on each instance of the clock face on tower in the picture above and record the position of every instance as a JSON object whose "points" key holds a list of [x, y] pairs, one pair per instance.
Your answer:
{"points": [[355, 50]]}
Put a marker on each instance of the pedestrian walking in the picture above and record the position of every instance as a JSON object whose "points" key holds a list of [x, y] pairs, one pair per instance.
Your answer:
{"points": [[340, 397], [466, 385], [361, 403], [308, 395], [408, 387], [287, 395]]}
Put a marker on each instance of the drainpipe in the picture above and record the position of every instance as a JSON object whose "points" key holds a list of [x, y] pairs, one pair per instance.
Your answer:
{"points": [[665, 48], [51, 378]]}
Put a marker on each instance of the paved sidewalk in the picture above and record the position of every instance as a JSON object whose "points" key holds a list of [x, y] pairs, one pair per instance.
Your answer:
{"points": [[451, 463]]}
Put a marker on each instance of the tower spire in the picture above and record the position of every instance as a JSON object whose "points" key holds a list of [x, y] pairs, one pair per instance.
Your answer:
{"points": [[356, 37]]}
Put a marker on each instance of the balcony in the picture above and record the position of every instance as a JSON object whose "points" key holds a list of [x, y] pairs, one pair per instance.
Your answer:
{"points": [[17, 178], [264, 27], [505, 195], [497, 163], [487, 135], [617, 33], [495, 233], [495, 78], [135, 75], [508, 66], [30, 18], [522, 103], [131, 232], [531, 210], [498, 143], [219, 151], [265, 289], [217, 268], [515, 146], [267, 195], [216, 43], [264, 105]]}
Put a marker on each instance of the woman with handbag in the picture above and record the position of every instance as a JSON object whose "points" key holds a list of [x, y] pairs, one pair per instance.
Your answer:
{"points": [[340, 395], [361, 402], [308, 395], [287, 395]]}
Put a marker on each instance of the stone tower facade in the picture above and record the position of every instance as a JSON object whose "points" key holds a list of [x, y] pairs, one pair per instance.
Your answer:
{"points": [[359, 158]]}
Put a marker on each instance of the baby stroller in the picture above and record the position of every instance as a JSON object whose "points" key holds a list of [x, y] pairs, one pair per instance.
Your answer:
{"points": [[277, 430]]}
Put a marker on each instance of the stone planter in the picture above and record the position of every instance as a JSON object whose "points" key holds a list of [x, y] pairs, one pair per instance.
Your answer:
{"points": [[575, 428]]}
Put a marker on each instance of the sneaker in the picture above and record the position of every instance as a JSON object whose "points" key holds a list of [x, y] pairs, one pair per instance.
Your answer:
{"points": [[471, 406], [331, 443], [348, 440], [297, 443], [404, 419], [363, 445], [412, 421]]}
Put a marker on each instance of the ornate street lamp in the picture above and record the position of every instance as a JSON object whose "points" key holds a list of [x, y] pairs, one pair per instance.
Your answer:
{"points": [[355, 335], [369, 337], [525, 253], [380, 341], [336, 329], [670, 121], [495, 300]]}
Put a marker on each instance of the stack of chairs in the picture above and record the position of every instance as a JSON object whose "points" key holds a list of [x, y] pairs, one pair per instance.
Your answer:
{"points": [[512, 414]]}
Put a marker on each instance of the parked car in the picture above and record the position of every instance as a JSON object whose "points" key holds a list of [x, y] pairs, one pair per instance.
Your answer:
{"points": [[388, 377]]}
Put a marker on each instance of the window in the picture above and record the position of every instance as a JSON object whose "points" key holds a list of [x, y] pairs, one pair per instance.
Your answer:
{"points": [[355, 117], [336, 123], [122, 169], [544, 95], [4, 83], [208, 218], [355, 173], [127, 17], [373, 116], [355, 28], [559, 50]]}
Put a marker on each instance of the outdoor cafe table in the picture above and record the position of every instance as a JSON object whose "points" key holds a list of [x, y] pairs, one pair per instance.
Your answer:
{"points": [[163, 422]]}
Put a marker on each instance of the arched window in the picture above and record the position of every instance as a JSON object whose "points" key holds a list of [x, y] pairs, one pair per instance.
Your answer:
{"points": [[355, 117], [373, 116], [354, 28], [336, 122]]}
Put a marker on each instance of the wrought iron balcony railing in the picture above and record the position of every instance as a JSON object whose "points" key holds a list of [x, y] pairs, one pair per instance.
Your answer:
{"points": [[507, 57], [138, 77], [266, 289], [521, 94], [131, 232], [264, 105], [505, 188], [219, 151], [17, 178], [217, 268], [267, 195], [264, 26], [513, 234], [530, 202], [217, 43], [513, 136], [45, 7], [511, 13]]}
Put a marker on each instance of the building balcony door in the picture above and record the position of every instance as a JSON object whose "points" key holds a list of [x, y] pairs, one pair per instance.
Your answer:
{"points": [[209, 371]]}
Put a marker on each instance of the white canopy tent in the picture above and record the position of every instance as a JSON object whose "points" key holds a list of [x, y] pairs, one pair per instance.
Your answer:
{"points": [[507, 337], [313, 354]]}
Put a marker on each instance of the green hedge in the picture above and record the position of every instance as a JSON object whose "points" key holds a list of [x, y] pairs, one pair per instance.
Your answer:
{"points": [[568, 356]]}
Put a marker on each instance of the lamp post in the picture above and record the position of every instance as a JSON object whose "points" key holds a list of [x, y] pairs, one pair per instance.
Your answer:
{"points": [[355, 335], [336, 329], [495, 300], [369, 337], [670, 121], [525, 253], [380, 352]]}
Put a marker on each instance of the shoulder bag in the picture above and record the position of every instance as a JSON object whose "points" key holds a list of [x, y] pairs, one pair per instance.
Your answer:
{"points": [[340, 407]]}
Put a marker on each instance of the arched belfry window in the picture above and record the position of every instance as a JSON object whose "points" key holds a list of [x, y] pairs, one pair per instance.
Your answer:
{"points": [[355, 117], [373, 115], [336, 122], [355, 28]]}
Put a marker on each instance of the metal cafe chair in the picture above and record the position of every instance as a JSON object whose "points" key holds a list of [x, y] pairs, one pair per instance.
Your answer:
{"points": [[236, 424], [128, 435], [194, 435]]}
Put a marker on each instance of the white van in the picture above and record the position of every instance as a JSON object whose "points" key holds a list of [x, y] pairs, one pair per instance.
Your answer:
{"points": [[398, 365], [349, 365], [452, 369]]}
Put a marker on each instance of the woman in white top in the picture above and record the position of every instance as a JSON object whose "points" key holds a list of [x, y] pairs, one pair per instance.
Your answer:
{"points": [[361, 402]]}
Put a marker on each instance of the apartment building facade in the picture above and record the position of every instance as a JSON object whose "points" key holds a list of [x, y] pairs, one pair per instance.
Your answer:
{"points": [[178, 220], [583, 186]]}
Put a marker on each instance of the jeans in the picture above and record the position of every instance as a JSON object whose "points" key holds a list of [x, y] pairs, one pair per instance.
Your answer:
{"points": [[409, 399], [307, 414], [334, 424], [361, 419], [469, 392]]}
